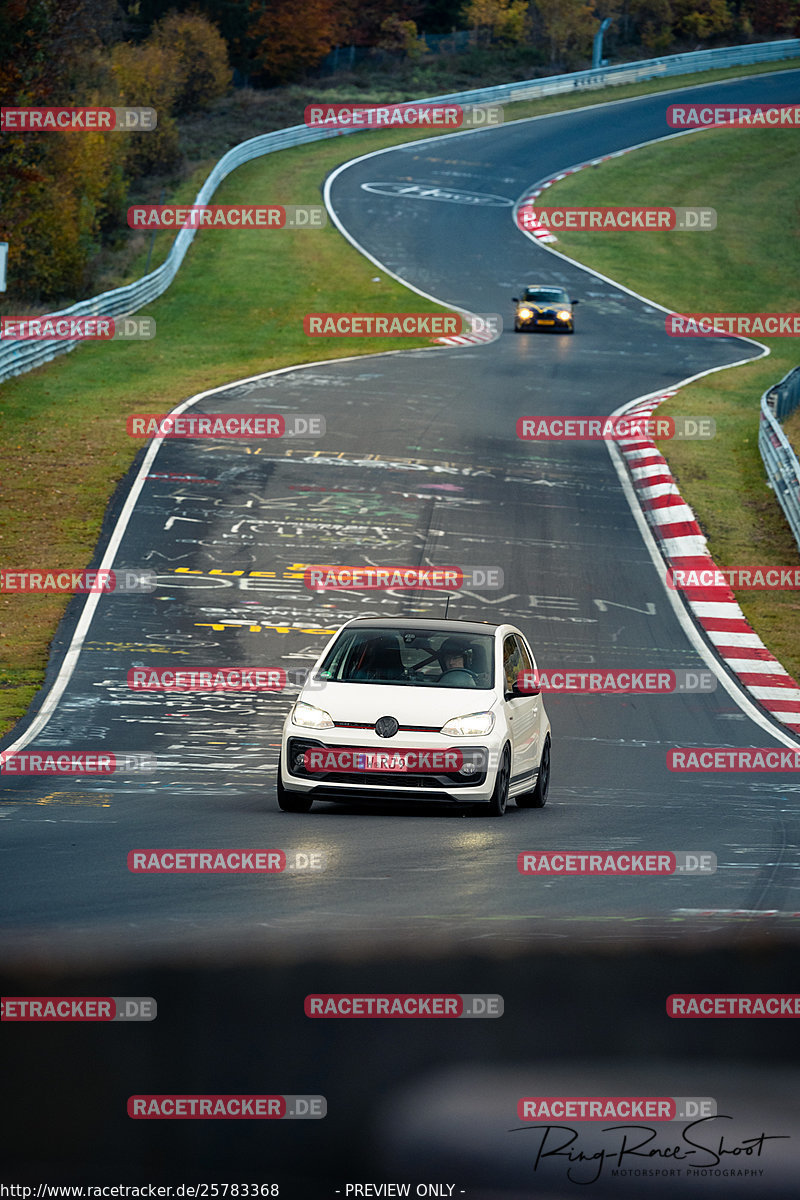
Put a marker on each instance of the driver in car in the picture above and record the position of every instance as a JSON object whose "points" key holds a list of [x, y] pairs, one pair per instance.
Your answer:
{"points": [[454, 655]]}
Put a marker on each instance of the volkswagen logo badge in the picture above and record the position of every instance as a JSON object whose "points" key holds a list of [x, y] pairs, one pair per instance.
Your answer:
{"points": [[386, 727]]}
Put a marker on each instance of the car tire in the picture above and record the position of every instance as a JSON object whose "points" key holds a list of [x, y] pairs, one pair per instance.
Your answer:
{"points": [[499, 801], [295, 802], [538, 797]]}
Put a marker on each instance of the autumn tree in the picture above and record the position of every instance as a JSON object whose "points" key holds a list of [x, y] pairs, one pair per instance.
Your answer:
{"points": [[203, 67], [496, 20], [57, 189], [652, 24], [773, 18], [701, 19], [287, 40], [568, 25], [439, 16], [149, 76], [401, 37], [360, 22]]}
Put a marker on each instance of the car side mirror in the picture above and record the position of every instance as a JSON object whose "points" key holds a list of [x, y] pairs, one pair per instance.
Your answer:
{"points": [[515, 299], [574, 301], [523, 689]]}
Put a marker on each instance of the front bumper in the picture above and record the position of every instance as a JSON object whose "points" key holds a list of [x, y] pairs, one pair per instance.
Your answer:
{"points": [[542, 321], [474, 786]]}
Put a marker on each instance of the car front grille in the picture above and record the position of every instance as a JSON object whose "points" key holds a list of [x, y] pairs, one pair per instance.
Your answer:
{"points": [[400, 728], [379, 779]]}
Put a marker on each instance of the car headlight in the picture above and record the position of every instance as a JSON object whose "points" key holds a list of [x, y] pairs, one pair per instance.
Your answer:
{"points": [[472, 725], [564, 315], [524, 313], [310, 717]]}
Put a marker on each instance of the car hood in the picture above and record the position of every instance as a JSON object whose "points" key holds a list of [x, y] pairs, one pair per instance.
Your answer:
{"points": [[365, 702]]}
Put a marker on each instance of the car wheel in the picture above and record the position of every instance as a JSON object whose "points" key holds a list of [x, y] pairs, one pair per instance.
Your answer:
{"points": [[291, 801], [538, 797], [497, 805]]}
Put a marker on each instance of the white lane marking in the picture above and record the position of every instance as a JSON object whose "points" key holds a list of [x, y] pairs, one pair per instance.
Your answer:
{"points": [[78, 639]]}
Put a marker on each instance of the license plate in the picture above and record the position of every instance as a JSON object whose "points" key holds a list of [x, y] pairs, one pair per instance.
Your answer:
{"points": [[545, 322], [381, 760]]}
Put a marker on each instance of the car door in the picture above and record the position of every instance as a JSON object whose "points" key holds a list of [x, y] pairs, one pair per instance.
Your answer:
{"points": [[522, 711]]}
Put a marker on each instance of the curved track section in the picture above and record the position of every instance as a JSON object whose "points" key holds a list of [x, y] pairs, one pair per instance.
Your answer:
{"points": [[421, 465]]}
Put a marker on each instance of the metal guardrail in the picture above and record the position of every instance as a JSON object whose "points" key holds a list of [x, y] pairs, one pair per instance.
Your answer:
{"points": [[19, 355], [780, 460], [635, 72], [784, 397]]}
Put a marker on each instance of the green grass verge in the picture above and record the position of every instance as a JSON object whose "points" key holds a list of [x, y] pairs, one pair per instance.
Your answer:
{"points": [[235, 309], [748, 264]]}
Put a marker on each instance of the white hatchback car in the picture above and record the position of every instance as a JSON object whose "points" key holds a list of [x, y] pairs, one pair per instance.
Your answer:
{"points": [[407, 709]]}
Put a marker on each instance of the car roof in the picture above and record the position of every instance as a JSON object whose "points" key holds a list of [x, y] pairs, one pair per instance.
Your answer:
{"points": [[434, 626]]}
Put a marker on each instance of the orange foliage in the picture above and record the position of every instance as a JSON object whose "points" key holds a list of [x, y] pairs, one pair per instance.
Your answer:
{"points": [[289, 39], [202, 58]]}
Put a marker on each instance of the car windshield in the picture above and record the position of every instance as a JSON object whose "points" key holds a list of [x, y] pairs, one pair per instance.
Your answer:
{"points": [[410, 658], [546, 296]]}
